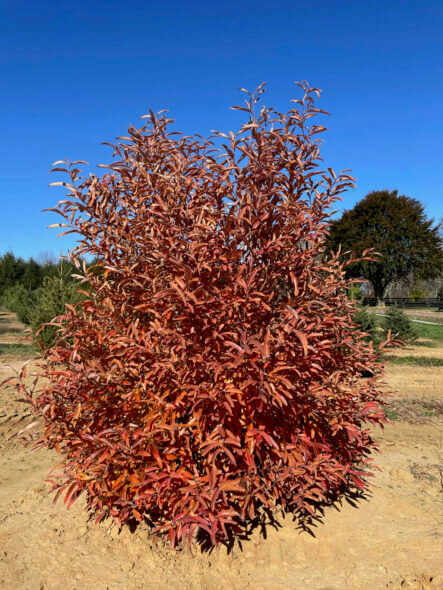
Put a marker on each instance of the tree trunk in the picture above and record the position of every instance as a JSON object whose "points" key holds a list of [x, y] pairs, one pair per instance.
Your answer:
{"points": [[379, 291]]}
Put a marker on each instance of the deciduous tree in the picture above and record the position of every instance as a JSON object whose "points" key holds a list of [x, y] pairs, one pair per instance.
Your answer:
{"points": [[396, 227]]}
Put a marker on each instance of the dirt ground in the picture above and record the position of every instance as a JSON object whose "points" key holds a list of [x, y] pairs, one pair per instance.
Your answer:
{"points": [[390, 540]]}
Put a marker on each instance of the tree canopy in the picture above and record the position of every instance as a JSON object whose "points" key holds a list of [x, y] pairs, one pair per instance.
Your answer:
{"points": [[397, 228]]}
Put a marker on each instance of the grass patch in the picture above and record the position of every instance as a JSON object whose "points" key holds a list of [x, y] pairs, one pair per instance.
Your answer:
{"points": [[17, 349], [425, 361], [426, 344], [415, 410], [427, 331], [391, 414], [430, 472]]}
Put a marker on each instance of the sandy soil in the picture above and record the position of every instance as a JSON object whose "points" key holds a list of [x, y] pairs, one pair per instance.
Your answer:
{"points": [[390, 540]]}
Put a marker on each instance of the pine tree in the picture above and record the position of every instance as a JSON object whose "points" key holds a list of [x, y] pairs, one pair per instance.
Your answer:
{"points": [[55, 293], [399, 324], [367, 322], [19, 300], [32, 277]]}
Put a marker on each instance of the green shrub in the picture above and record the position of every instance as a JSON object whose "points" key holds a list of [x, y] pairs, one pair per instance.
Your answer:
{"points": [[399, 324], [417, 292], [55, 293], [20, 300], [355, 292]]}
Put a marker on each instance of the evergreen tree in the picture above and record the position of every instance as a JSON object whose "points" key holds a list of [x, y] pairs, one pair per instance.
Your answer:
{"points": [[399, 324], [32, 277], [19, 300], [8, 271], [367, 322], [54, 294]]}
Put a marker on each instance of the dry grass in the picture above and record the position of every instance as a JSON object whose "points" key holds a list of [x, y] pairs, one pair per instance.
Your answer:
{"points": [[416, 411]]}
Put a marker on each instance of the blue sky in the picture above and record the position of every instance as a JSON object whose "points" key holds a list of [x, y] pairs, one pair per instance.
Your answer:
{"points": [[76, 74]]}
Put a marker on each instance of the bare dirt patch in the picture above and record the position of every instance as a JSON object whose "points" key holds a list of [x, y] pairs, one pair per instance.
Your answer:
{"points": [[388, 540], [415, 382], [11, 330]]}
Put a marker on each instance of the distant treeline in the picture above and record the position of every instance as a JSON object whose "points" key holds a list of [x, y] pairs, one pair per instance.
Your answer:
{"points": [[29, 274], [37, 291]]}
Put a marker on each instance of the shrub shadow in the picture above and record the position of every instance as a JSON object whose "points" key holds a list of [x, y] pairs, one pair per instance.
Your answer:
{"points": [[305, 522]]}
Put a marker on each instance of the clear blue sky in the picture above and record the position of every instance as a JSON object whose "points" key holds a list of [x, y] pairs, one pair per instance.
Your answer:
{"points": [[74, 74]]}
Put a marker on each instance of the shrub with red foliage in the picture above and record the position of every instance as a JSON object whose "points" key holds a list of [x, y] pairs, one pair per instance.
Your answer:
{"points": [[213, 369]]}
